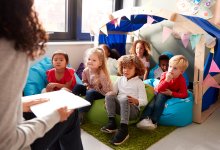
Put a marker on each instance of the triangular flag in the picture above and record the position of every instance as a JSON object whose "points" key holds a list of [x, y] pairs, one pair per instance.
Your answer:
{"points": [[212, 50], [104, 30], [128, 16], [209, 81], [119, 21], [209, 39], [150, 20], [166, 33], [185, 39], [214, 67], [194, 39]]}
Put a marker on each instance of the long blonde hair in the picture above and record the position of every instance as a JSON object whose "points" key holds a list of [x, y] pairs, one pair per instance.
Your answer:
{"points": [[101, 56]]}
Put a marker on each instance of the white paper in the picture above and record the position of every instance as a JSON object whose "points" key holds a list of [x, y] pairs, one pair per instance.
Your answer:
{"points": [[57, 99]]}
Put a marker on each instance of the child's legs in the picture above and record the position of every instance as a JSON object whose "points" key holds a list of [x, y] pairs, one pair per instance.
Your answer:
{"points": [[148, 110], [110, 102], [91, 95], [127, 111], [159, 105], [79, 89]]}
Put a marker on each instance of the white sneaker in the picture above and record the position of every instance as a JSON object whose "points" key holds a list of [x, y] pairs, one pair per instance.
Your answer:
{"points": [[146, 124]]}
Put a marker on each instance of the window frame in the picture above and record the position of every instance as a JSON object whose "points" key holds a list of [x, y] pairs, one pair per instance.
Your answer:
{"points": [[75, 21]]}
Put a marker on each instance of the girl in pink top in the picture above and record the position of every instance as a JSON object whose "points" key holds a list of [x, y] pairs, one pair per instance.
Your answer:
{"points": [[60, 76], [95, 78], [142, 49]]}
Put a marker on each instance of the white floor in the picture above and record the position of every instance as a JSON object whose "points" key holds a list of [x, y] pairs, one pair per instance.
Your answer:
{"points": [[205, 136]]}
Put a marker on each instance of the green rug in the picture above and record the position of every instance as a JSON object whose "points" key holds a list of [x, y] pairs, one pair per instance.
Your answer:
{"points": [[139, 139]]}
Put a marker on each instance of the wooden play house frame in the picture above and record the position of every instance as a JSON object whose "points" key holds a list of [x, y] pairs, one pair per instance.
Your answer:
{"points": [[182, 25]]}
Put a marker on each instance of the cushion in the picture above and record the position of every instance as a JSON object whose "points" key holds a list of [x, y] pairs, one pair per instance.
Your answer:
{"points": [[37, 79], [178, 112]]}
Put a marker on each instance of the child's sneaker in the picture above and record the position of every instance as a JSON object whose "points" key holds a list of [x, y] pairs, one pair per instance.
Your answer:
{"points": [[111, 127], [120, 137], [146, 124]]}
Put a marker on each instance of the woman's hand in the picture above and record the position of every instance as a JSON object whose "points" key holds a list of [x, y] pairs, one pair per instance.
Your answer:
{"points": [[64, 113], [29, 103], [133, 100]]}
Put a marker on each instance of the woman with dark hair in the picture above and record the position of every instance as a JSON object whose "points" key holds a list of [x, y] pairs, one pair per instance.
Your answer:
{"points": [[22, 38]]}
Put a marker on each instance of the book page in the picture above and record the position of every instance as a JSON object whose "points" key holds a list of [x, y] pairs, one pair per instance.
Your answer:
{"points": [[57, 99]]}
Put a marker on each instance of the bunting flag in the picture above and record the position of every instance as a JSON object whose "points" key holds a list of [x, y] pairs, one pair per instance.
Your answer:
{"points": [[128, 16], [212, 50], [214, 67], [166, 33], [209, 39], [104, 30], [194, 39], [119, 21], [185, 39], [209, 81], [150, 20]]}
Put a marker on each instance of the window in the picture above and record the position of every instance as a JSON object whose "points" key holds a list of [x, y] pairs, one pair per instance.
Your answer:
{"points": [[73, 19], [57, 17]]}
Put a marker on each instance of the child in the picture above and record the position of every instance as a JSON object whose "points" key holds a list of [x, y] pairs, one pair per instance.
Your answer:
{"points": [[172, 84], [163, 66], [127, 97], [112, 63], [95, 78], [142, 49], [60, 76]]}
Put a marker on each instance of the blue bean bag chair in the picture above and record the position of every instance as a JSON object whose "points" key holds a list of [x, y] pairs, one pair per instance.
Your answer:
{"points": [[37, 79], [169, 54], [177, 112]]}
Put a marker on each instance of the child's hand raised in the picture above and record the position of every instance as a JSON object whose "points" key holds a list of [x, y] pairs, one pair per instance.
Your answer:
{"points": [[169, 77], [133, 100]]}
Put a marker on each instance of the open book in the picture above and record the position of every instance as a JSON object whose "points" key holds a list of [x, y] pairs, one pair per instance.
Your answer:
{"points": [[57, 99]]}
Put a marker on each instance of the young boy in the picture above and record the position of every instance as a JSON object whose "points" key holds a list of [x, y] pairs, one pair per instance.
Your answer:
{"points": [[172, 84], [163, 66]]}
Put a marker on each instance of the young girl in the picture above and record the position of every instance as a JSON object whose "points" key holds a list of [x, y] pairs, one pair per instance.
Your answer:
{"points": [[60, 76], [112, 63], [95, 78], [127, 97], [142, 49]]}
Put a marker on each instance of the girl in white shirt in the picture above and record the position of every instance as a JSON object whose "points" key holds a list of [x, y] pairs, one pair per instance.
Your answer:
{"points": [[126, 98]]}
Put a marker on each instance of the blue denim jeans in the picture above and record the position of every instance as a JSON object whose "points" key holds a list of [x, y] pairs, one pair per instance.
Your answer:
{"points": [[155, 108], [63, 136], [90, 94]]}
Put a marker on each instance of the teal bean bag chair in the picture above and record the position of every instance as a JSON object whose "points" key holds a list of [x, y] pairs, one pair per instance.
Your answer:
{"points": [[37, 79], [177, 112]]}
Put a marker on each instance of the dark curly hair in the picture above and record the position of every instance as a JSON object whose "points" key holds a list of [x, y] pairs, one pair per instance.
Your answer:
{"points": [[146, 46], [19, 23], [128, 60]]}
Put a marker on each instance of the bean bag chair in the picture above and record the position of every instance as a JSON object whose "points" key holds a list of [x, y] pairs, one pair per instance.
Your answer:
{"points": [[37, 79], [177, 112], [98, 115]]}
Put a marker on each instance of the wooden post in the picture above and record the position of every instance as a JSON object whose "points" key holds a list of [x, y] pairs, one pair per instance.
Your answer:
{"points": [[198, 79]]}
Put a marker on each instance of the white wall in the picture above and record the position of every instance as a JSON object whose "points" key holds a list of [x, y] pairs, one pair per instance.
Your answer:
{"points": [[75, 50]]}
